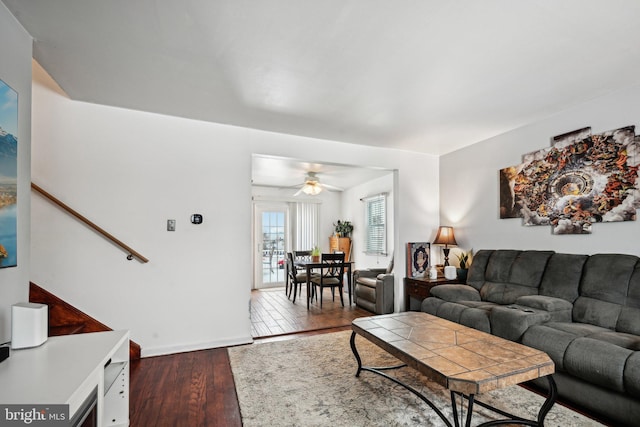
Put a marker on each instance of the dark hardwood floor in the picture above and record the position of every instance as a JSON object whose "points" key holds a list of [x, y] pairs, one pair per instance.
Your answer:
{"points": [[197, 388]]}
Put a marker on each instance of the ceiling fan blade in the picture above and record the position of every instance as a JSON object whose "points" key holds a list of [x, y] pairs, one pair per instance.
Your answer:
{"points": [[294, 186], [332, 187], [298, 192]]}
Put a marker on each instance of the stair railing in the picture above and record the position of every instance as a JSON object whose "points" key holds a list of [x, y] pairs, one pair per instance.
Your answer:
{"points": [[131, 252]]}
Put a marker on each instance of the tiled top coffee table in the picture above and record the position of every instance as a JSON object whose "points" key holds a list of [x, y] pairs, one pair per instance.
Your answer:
{"points": [[461, 359]]}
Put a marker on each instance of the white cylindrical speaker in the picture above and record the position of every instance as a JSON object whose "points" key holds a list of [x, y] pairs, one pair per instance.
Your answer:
{"points": [[450, 272], [29, 324]]}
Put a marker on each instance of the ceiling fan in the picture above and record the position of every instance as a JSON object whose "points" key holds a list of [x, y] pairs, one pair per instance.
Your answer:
{"points": [[312, 185]]}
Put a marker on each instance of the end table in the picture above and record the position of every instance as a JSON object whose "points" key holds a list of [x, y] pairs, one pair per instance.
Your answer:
{"points": [[419, 287]]}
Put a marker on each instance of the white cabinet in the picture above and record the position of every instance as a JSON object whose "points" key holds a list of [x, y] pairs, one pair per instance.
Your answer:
{"points": [[116, 389], [69, 370]]}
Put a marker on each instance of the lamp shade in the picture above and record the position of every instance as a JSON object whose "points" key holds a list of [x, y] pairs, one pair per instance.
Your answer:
{"points": [[445, 236]]}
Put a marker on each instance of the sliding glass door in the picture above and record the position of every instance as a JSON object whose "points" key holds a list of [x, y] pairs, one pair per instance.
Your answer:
{"points": [[271, 245]]}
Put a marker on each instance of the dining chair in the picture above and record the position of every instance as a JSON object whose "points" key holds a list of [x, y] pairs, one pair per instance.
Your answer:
{"points": [[288, 265], [302, 256], [331, 276], [295, 277]]}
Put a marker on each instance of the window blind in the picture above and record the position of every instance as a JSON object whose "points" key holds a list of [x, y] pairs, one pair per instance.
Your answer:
{"points": [[306, 226], [376, 224]]}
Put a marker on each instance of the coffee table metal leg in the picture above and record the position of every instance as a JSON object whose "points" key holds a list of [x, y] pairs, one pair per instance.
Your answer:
{"points": [[379, 370], [354, 350], [510, 418], [454, 408], [551, 400]]}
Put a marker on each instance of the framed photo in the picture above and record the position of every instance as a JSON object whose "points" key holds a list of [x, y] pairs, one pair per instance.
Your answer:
{"points": [[8, 175], [418, 258]]}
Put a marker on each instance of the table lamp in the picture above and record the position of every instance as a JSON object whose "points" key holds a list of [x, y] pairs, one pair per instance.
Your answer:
{"points": [[445, 237]]}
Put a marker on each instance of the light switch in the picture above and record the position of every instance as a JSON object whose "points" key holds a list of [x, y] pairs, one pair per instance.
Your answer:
{"points": [[171, 225]]}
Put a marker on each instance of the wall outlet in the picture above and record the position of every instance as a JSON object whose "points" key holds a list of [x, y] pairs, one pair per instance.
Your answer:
{"points": [[171, 225]]}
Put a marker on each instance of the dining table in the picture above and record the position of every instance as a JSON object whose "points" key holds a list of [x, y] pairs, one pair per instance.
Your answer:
{"points": [[310, 265]]}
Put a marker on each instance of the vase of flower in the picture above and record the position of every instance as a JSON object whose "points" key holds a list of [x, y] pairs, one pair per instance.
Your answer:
{"points": [[315, 254]]}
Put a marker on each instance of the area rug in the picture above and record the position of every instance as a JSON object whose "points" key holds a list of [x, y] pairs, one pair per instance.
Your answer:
{"points": [[310, 381]]}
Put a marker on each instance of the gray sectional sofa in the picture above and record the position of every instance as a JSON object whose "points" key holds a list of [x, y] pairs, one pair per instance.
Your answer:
{"points": [[582, 310]]}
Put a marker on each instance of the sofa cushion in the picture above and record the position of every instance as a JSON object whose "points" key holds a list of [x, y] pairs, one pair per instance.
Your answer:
{"points": [[511, 274], [499, 266], [554, 337], [528, 267], [477, 318], [596, 312], [562, 276], [552, 341], [367, 293], [512, 321], [577, 329], [606, 277], [455, 293], [604, 288], [475, 276], [485, 305], [633, 294], [629, 320], [628, 341], [546, 303], [504, 293], [367, 281], [631, 375], [474, 314], [598, 362], [450, 311], [430, 305]]}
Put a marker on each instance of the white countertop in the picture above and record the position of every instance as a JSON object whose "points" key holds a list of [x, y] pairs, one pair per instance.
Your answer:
{"points": [[62, 370]]}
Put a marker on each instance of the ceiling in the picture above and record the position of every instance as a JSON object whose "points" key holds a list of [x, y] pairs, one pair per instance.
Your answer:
{"points": [[280, 172], [424, 75]]}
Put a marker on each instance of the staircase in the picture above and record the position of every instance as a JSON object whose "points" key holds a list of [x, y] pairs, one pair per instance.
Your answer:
{"points": [[65, 319]]}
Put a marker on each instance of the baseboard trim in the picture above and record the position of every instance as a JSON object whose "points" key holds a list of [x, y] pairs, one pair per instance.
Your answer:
{"points": [[173, 349]]}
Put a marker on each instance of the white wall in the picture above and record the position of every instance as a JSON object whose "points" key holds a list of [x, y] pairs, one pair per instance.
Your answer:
{"points": [[353, 210], [15, 71], [130, 171], [469, 183]]}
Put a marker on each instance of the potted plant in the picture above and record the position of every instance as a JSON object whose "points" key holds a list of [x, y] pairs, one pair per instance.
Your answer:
{"points": [[343, 228], [463, 259], [315, 254]]}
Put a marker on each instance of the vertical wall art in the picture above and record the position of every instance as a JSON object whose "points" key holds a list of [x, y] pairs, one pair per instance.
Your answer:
{"points": [[417, 258], [8, 176], [581, 179]]}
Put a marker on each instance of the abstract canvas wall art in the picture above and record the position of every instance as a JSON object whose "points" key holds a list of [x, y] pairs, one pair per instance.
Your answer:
{"points": [[582, 179], [8, 176]]}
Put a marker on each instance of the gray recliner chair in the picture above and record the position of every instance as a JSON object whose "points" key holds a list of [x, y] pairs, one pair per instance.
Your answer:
{"points": [[374, 289]]}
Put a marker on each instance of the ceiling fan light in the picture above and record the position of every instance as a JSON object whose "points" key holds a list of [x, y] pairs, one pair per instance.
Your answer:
{"points": [[312, 189]]}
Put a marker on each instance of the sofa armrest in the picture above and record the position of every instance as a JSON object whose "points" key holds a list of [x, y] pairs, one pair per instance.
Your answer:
{"points": [[545, 303], [365, 273], [385, 284], [454, 293]]}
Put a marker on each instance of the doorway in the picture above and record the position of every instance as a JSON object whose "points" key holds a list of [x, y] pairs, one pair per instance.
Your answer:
{"points": [[271, 225]]}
